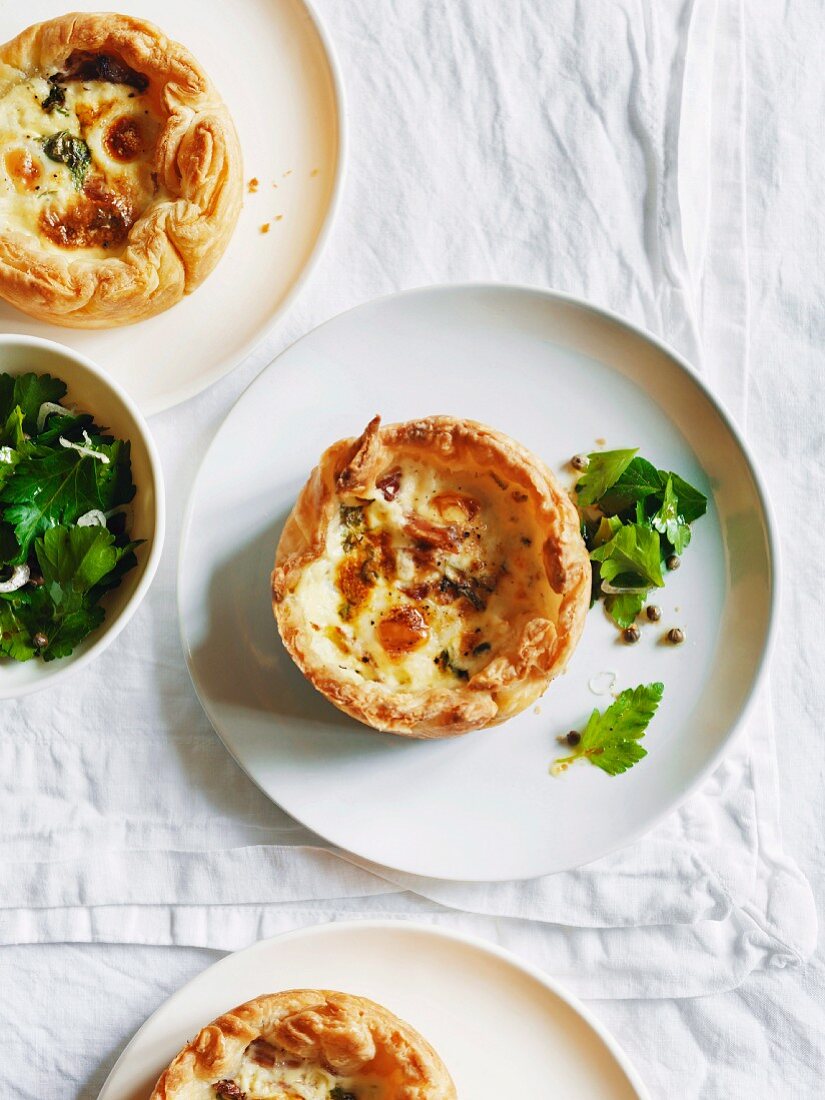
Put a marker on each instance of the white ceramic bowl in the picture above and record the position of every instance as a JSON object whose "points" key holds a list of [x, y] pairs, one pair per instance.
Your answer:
{"points": [[94, 392]]}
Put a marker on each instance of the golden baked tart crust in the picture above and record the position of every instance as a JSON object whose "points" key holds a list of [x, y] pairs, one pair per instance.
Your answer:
{"points": [[120, 171], [431, 578], [322, 1044]]}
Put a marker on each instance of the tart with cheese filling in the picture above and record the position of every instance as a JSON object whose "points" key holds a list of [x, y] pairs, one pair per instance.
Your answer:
{"points": [[120, 171], [307, 1044], [431, 578]]}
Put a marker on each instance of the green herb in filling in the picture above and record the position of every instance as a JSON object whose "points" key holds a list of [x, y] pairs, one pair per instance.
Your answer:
{"points": [[56, 99], [66, 148], [354, 524], [446, 664]]}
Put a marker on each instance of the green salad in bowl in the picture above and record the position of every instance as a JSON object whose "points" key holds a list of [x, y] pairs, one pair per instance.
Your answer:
{"points": [[65, 490]]}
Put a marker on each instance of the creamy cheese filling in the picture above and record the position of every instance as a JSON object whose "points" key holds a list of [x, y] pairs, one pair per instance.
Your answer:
{"points": [[423, 584], [104, 137], [301, 1082]]}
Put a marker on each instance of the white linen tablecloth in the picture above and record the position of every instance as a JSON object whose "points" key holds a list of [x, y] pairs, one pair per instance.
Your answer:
{"points": [[596, 147]]}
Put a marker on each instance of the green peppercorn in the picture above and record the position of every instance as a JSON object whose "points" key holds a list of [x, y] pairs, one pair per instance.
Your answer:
{"points": [[676, 636], [673, 562], [573, 738], [653, 612], [631, 634]]}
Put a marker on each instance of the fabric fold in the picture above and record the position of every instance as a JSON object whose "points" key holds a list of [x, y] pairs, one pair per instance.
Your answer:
{"points": [[601, 153]]}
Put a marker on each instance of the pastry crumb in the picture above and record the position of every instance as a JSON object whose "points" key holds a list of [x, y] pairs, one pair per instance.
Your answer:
{"points": [[279, 217], [265, 227], [536, 710], [253, 185], [287, 173], [314, 172]]}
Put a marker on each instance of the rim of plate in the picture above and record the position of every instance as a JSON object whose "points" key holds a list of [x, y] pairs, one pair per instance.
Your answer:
{"points": [[774, 567], [342, 927], [100, 644], [228, 364]]}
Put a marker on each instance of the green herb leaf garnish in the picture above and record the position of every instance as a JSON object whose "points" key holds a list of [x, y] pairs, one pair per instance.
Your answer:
{"points": [[12, 435], [636, 483], [669, 521], [52, 618], [46, 486], [608, 526], [610, 740], [632, 558], [29, 392], [634, 517], [623, 609], [692, 503], [58, 485], [74, 559], [604, 469]]}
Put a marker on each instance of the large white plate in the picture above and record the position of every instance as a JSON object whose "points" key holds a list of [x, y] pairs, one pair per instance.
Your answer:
{"points": [[502, 1027], [274, 66], [557, 375]]}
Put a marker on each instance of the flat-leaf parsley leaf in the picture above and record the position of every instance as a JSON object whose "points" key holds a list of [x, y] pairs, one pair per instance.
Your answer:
{"points": [[610, 740], [637, 482], [634, 518], [57, 466], [631, 559], [669, 521], [692, 503], [603, 470], [59, 485]]}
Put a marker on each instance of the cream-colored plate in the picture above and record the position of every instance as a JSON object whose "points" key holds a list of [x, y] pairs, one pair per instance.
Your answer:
{"points": [[503, 1028], [273, 64]]}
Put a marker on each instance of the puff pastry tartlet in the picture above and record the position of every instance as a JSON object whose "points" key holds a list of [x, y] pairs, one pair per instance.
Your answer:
{"points": [[120, 171], [307, 1044], [431, 578]]}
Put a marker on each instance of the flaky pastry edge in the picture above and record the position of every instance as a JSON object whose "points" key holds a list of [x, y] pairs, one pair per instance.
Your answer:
{"points": [[339, 1031], [346, 473]]}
